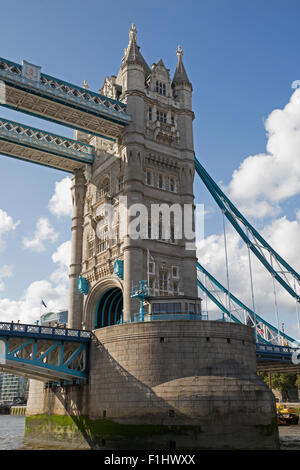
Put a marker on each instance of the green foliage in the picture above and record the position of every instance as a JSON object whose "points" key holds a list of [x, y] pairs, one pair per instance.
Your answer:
{"points": [[281, 382]]}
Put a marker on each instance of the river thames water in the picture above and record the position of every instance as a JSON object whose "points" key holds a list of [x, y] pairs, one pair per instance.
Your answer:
{"points": [[12, 432]]}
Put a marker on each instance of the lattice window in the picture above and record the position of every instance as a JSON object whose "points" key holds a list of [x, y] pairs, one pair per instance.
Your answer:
{"points": [[103, 188], [160, 88], [161, 116], [102, 240], [163, 281]]}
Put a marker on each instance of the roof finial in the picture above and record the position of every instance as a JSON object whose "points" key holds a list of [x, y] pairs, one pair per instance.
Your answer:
{"points": [[179, 52], [132, 33], [85, 84]]}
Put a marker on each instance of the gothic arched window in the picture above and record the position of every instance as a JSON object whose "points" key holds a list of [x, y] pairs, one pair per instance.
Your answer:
{"points": [[103, 188]]}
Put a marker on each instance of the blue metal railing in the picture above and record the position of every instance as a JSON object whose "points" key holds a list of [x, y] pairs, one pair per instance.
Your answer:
{"points": [[113, 109], [137, 317], [20, 329], [30, 136], [274, 352]]}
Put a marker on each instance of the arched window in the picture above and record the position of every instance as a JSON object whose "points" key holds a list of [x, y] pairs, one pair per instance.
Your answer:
{"points": [[120, 183], [172, 184], [160, 181], [103, 188], [163, 282], [90, 243], [102, 240]]}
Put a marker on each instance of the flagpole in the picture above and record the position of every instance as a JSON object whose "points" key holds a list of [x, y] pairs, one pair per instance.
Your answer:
{"points": [[148, 274]]}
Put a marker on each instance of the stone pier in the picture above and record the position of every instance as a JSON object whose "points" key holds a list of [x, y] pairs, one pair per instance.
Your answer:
{"points": [[161, 385]]}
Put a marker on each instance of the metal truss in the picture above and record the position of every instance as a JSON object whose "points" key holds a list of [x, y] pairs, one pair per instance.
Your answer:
{"points": [[45, 353], [42, 147], [279, 269], [240, 313], [53, 99]]}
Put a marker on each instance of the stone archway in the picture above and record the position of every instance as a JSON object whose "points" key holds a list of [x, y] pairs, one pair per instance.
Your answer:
{"points": [[104, 304], [109, 308]]}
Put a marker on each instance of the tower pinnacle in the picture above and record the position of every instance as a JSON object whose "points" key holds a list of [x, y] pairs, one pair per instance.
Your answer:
{"points": [[132, 33], [179, 53], [132, 52], [180, 75]]}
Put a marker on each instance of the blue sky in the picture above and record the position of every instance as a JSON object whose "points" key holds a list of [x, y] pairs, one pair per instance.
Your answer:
{"points": [[241, 57]]}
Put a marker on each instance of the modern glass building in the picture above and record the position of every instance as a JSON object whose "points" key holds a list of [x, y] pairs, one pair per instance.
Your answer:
{"points": [[54, 318], [13, 389]]}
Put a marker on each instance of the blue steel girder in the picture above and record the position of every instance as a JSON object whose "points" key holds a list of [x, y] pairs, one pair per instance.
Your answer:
{"points": [[256, 243], [45, 353], [266, 332], [29, 91], [275, 358], [44, 148]]}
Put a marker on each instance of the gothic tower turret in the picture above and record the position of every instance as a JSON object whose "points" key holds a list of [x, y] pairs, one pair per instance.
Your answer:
{"points": [[150, 170]]}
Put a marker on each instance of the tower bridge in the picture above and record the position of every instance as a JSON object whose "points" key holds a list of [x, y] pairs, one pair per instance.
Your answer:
{"points": [[178, 371]]}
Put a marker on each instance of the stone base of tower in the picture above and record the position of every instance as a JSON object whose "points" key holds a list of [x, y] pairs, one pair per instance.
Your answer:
{"points": [[161, 385]]}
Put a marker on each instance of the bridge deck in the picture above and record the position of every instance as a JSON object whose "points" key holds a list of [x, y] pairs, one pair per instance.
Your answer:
{"points": [[275, 358], [38, 94], [44, 353], [44, 148]]}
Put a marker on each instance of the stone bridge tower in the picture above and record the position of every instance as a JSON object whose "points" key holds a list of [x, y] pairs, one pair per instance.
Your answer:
{"points": [[152, 164], [185, 384]]}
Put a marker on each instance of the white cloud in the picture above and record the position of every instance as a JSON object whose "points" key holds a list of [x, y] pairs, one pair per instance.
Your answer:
{"points": [[6, 225], [60, 203], [28, 308], [55, 293], [263, 181], [44, 232], [283, 235], [62, 256], [5, 271]]}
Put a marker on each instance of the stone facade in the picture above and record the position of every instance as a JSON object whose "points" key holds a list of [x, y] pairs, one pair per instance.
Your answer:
{"points": [[189, 384], [153, 163]]}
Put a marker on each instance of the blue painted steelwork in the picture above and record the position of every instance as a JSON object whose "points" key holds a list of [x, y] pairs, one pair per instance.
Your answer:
{"points": [[43, 85], [83, 285], [110, 301], [119, 268], [271, 352], [117, 298], [173, 316], [44, 332], [259, 245], [45, 353], [46, 142], [112, 293], [254, 317], [141, 292], [117, 309]]}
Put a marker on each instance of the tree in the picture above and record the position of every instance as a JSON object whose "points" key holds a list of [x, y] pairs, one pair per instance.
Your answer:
{"points": [[282, 382]]}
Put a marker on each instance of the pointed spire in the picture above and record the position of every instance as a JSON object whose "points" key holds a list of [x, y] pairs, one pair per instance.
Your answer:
{"points": [[180, 75], [132, 54]]}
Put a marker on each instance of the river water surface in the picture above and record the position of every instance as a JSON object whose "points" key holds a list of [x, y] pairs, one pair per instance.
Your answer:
{"points": [[12, 433]]}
